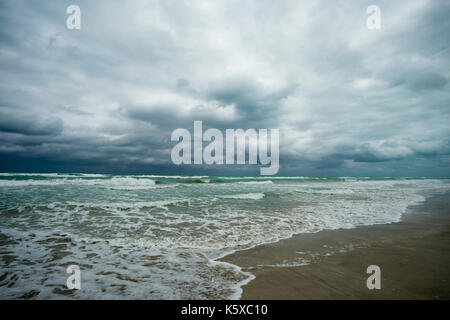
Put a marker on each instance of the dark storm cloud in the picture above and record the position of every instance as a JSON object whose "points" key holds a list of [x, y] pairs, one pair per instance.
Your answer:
{"points": [[251, 100], [29, 125], [347, 100], [427, 81]]}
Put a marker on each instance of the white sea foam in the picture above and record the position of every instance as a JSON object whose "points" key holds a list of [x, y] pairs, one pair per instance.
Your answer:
{"points": [[336, 191], [120, 183], [167, 177], [54, 175], [245, 196], [264, 178], [255, 182], [126, 183], [25, 183]]}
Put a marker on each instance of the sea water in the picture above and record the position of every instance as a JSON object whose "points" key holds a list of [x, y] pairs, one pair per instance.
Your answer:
{"points": [[159, 237]]}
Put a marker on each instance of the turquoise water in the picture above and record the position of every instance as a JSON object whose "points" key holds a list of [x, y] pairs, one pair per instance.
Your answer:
{"points": [[148, 236]]}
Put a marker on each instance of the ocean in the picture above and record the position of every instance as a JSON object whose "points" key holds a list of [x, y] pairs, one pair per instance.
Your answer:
{"points": [[160, 237]]}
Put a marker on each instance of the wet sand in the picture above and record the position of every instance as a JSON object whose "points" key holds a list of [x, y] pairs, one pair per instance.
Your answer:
{"points": [[414, 257]]}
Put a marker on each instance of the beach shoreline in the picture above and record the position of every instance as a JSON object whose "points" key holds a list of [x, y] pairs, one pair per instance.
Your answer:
{"points": [[413, 255]]}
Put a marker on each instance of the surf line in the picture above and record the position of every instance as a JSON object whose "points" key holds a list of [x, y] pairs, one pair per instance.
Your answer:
{"points": [[258, 147]]}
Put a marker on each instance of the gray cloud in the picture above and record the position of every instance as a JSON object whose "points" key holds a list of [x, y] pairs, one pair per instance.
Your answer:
{"points": [[347, 100], [427, 81], [29, 125]]}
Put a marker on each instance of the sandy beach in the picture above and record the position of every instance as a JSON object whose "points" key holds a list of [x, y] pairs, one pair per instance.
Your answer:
{"points": [[414, 257]]}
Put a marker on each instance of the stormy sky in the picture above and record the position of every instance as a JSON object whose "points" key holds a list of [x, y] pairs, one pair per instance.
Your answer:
{"points": [[348, 101]]}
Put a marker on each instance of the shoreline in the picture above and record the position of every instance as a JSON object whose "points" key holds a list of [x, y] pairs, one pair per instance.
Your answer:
{"points": [[413, 254]]}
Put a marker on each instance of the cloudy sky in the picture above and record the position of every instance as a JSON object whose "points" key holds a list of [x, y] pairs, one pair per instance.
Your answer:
{"points": [[106, 98]]}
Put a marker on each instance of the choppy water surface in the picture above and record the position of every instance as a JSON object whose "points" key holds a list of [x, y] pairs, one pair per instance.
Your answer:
{"points": [[151, 237]]}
